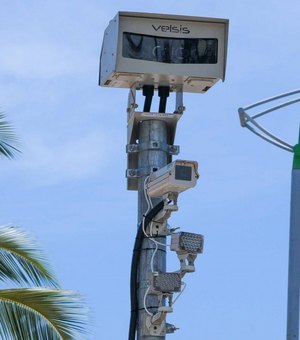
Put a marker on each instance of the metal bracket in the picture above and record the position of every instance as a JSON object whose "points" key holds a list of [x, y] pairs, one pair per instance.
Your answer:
{"points": [[132, 105], [156, 229], [171, 328], [155, 325], [180, 108], [151, 329], [257, 129], [187, 263], [165, 213], [134, 119]]}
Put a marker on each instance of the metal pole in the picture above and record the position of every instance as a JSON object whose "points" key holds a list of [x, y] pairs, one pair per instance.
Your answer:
{"points": [[294, 253], [149, 131]]}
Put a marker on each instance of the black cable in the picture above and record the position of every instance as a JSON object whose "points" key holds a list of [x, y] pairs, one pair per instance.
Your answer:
{"points": [[134, 268], [163, 93], [148, 92]]}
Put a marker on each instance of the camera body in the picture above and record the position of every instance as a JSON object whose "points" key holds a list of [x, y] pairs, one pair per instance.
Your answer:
{"points": [[183, 52], [175, 177]]}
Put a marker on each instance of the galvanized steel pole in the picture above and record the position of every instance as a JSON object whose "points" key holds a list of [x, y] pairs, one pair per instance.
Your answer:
{"points": [[294, 253], [149, 131]]}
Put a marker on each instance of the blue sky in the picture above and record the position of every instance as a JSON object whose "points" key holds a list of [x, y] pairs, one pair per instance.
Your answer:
{"points": [[68, 187]]}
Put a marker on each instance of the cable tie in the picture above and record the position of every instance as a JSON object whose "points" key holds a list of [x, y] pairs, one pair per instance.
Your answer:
{"points": [[163, 250], [139, 309], [155, 236]]}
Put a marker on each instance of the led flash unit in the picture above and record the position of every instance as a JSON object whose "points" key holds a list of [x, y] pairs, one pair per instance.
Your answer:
{"points": [[166, 282], [187, 243]]}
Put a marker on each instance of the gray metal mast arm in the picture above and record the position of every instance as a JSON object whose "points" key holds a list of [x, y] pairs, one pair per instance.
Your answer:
{"points": [[250, 122]]}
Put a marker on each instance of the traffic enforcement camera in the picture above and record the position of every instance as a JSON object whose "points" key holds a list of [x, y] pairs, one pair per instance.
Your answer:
{"points": [[184, 52]]}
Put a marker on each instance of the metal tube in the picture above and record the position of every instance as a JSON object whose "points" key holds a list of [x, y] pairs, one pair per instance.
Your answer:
{"points": [[150, 130], [271, 99], [294, 260], [274, 108]]}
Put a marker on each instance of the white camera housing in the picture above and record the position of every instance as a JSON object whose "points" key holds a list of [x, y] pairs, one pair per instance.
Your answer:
{"points": [[184, 52], [175, 177]]}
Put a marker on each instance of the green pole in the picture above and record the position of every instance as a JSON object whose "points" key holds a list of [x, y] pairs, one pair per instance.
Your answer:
{"points": [[296, 163], [294, 251]]}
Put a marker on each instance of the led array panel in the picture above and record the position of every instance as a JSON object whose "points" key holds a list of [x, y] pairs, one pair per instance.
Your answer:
{"points": [[167, 282], [184, 242]]}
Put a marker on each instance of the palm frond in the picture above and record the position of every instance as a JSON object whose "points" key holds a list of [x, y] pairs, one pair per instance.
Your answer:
{"points": [[31, 314], [8, 139], [21, 260]]}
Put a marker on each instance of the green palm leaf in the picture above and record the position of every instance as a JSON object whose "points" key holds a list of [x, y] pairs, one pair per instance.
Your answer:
{"points": [[8, 139], [21, 260], [31, 314]]}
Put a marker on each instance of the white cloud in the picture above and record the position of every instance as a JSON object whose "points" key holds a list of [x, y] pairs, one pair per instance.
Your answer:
{"points": [[40, 60], [54, 163]]}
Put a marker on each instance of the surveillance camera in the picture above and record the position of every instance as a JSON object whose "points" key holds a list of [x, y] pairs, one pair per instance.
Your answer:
{"points": [[184, 52], [175, 177]]}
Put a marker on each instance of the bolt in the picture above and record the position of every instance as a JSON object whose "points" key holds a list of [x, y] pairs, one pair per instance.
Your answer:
{"points": [[132, 172]]}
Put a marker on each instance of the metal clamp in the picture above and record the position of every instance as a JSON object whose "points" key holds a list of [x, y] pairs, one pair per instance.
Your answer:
{"points": [[153, 145], [136, 173]]}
